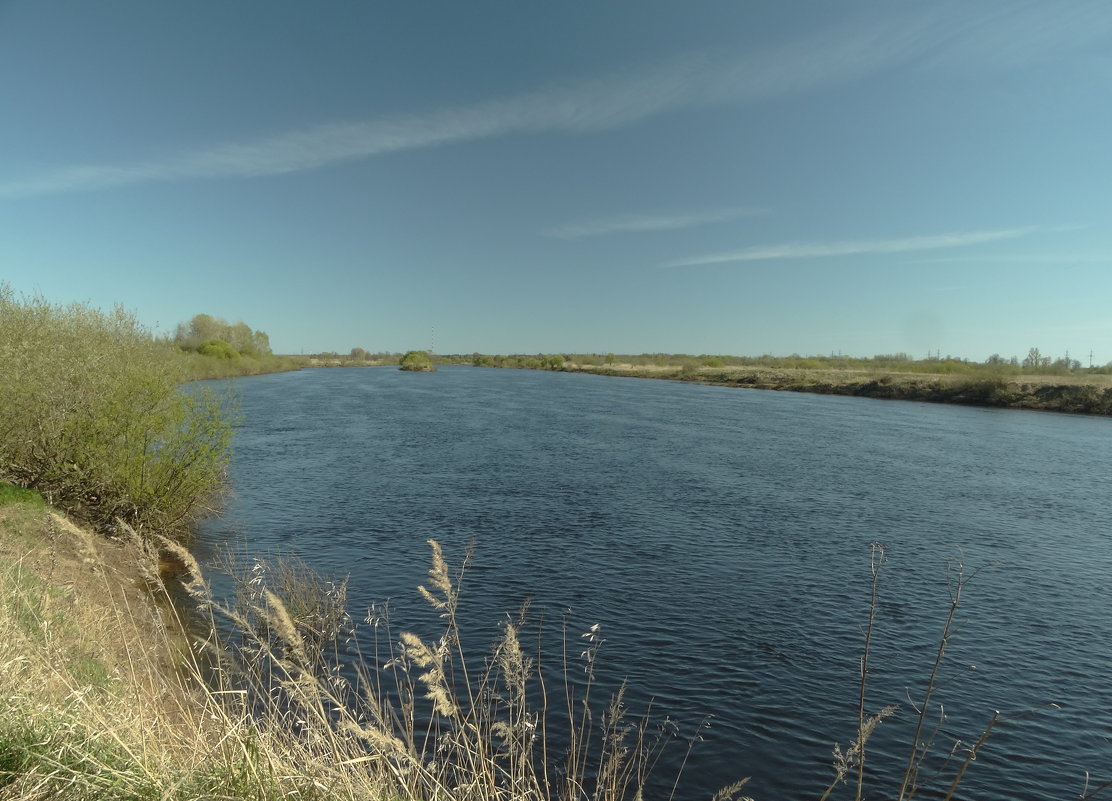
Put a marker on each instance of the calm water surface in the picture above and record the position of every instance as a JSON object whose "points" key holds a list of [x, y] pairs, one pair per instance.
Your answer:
{"points": [[721, 537]]}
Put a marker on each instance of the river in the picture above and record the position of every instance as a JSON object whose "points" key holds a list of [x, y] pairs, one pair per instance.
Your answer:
{"points": [[721, 540]]}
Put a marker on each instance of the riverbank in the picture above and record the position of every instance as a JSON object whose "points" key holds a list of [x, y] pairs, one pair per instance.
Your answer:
{"points": [[1083, 394], [100, 700], [103, 690], [104, 697]]}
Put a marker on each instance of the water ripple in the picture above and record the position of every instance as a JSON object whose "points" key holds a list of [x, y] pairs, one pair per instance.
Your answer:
{"points": [[721, 537]]}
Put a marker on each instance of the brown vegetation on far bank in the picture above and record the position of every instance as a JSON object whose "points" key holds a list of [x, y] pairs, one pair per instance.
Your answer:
{"points": [[1080, 394]]}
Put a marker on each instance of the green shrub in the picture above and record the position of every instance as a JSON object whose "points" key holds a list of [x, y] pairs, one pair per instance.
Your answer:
{"points": [[417, 361], [95, 421], [218, 348]]}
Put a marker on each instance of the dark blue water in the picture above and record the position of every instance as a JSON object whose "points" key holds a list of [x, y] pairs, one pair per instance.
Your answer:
{"points": [[721, 538]]}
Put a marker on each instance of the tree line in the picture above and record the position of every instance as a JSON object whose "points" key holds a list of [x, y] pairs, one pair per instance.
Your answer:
{"points": [[215, 336]]}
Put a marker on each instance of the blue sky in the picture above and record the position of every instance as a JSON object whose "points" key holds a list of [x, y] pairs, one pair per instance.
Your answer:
{"points": [[703, 177]]}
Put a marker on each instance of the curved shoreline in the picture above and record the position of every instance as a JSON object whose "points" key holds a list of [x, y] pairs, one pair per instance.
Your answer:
{"points": [[1050, 394]]}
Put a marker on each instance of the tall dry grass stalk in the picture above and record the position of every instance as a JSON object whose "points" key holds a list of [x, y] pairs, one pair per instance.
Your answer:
{"points": [[929, 766], [417, 717]]}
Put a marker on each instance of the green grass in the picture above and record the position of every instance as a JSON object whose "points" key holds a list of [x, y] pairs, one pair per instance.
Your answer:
{"points": [[10, 493]]}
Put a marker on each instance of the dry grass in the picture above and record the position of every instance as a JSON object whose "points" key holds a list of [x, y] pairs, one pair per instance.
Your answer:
{"points": [[105, 698], [93, 669]]}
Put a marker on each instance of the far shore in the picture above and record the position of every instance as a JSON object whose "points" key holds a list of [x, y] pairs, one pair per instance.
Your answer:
{"points": [[1073, 394]]}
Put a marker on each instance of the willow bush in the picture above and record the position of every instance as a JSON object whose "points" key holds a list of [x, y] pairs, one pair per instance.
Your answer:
{"points": [[92, 415], [417, 361]]}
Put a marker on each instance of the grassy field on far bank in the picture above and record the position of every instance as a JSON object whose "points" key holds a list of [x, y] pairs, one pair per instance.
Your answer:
{"points": [[1072, 393], [1039, 383]]}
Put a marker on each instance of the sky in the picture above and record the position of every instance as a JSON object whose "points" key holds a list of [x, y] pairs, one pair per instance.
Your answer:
{"points": [[743, 177]]}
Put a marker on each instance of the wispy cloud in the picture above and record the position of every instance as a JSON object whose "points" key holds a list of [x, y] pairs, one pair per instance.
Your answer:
{"points": [[1020, 258], [942, 34], [649, 222], [585, 106], [1012, 35], [797, 250]]}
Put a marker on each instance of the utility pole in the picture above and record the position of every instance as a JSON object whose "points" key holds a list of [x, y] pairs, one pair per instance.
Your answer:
{"points": [[1090, 359]]}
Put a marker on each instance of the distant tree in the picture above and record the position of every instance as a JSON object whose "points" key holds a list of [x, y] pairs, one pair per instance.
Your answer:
{"points": [[610, 358], [201, 328], [553, 362], [359, 354], [240, 337], [1035, 359], [1066, 363]]}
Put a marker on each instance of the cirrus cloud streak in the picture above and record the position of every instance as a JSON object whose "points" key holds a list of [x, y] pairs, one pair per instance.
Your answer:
{"points": [[649, 222], [797, 250], [831, 57]]}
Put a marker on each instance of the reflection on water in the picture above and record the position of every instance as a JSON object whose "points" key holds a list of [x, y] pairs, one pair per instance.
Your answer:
{"points": [[721, 539]]}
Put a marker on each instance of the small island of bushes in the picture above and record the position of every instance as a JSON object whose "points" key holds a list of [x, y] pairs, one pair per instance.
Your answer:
{"points": [[417, 361]]}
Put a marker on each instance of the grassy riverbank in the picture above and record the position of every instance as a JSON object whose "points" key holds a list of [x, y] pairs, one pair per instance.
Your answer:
{"points": [[199, 367], [98, 700], [1081, 394], [103, 690], [108, 695], [1038, 383]]}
